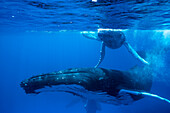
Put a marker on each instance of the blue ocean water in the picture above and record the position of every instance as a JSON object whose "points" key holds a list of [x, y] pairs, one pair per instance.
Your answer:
{"points": [[43, 36]]}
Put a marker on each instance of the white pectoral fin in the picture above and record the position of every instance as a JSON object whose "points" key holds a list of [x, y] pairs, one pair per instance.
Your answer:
{"points": [[156, 96], [134, 53], [124, 97], [129, 92], [102, 54], [90, 35], [92, 106], [143, 94]]}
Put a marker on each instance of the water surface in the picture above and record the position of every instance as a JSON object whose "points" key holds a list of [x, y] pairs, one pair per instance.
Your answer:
{"points": [[55, 15]]}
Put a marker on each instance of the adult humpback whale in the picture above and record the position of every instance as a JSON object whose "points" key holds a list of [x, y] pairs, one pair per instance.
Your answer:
{"points": [[95, 85], [113, 39]]}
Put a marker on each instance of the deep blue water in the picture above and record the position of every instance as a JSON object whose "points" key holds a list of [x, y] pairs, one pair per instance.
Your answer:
{"points": [[26, 54], [31, 43]]}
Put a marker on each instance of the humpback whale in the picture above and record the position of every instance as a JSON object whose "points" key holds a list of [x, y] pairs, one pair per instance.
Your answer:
{"points": [[113, 39], [95, 85]]}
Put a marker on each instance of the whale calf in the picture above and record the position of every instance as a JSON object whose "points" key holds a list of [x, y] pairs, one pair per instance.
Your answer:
{"points": [[112, 38]]}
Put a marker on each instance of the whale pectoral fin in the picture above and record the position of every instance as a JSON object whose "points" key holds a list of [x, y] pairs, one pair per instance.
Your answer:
{"points": [[90, 35], [124, 97], [142, 53], [102, 54], [143, 94], [92, 106], [122, 91], [134, 53]]}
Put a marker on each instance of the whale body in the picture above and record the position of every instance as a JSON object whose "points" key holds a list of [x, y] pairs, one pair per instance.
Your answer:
{"points": [[99, 84]]}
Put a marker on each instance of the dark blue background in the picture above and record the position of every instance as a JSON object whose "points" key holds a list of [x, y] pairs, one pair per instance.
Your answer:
{"points": [[23, 55]]}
